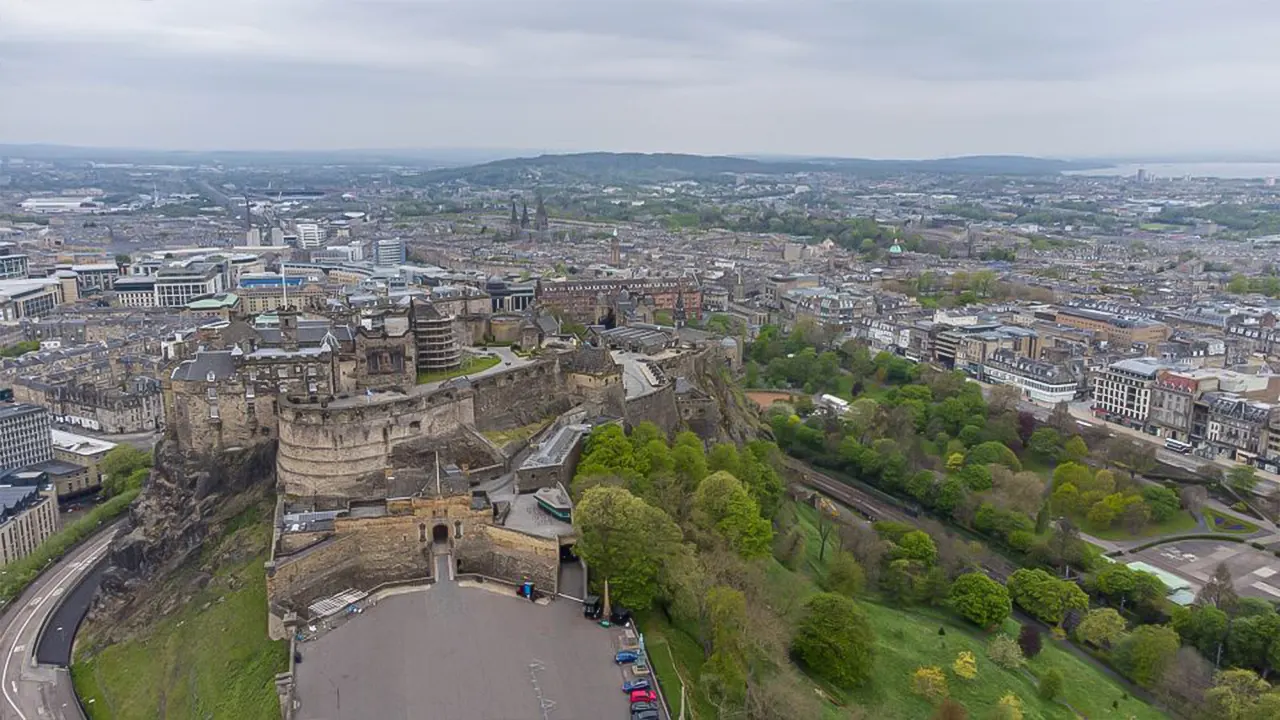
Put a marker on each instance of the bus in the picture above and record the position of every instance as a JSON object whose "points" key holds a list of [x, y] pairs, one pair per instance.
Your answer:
{"points": [[1177, 446]]}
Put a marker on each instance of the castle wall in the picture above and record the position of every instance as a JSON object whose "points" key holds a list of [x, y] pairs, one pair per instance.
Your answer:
{"points": [[657, 407], [520, 396], [511, 556], [325, 451]]}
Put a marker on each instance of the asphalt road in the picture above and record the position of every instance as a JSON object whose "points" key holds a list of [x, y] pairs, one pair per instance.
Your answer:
{"points": [[32, 691]]}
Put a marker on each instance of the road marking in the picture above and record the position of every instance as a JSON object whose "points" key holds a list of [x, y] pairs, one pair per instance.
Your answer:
{"points": [[92, 557], [19, 648]]}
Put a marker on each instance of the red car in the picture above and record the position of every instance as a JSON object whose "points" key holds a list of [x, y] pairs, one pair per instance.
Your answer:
{"points": [[643, 696]]}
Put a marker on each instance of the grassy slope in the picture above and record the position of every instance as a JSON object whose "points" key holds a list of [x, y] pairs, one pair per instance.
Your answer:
{"points": [[211, 659], [908, 639]]}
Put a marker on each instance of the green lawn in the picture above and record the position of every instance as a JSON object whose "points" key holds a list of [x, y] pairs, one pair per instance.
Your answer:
{"points": [[908, 639], [470, 364], [1181, 522], [502, 437], [211, 659], [1223, 523]]}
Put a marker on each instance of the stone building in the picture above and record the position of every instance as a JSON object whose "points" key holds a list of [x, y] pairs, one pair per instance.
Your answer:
{"points": [[27, 517], [137, 405], [231, 395], [586, 301]]}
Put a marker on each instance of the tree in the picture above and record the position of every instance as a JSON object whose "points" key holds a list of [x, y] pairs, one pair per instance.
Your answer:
{"points": [[835, 640], [724, 456], [1193, 497], [845, 575], [625, 541], [1073, 473], [980, 600], [966, 666], [917, 545], [994, 452], [1075, 450], [1146, 652], [1045, 596], [1220, 591], [1030, 640], [119, 467], [1060, 418], [1242, 479], [723, 505], [1004, 652], [930, 683], [1201, 626], [1046, 443], [1235, 694], [1051, 684], [1162, 501], [1101, 628]]}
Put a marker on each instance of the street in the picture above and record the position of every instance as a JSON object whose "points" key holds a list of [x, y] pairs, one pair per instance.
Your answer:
{"points": [[33, 691]]}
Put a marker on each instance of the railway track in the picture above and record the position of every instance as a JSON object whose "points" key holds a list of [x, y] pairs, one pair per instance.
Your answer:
{"points": [[874, 509]]}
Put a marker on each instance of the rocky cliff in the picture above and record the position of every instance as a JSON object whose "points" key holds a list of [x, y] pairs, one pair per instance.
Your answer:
{"points": [[158, 562]]}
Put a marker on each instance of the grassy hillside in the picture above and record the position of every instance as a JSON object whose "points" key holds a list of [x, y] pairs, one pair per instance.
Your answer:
{"points": [[906, 640], [211, 658]]}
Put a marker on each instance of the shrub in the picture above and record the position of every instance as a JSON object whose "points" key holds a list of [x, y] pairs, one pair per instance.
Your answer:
{"points": [[835, 640], [965, 666], [929, 682], [1029, 640], [1004, 652], [980, 599], [1009, 707], [1051, 684]]}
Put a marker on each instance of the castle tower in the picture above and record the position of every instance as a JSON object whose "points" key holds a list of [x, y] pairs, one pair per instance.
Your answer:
{"points": [[615, 250]]}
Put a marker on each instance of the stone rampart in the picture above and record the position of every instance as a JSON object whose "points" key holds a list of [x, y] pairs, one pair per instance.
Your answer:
{"points": [[520, 396], [324, 451], [511, 556], [657, 407]]}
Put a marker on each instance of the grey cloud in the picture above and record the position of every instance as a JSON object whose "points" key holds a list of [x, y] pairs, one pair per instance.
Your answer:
{"points": [[862, 77]]}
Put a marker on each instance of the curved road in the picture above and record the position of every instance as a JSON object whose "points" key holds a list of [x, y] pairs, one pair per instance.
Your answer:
{"points": [[39, 692]]}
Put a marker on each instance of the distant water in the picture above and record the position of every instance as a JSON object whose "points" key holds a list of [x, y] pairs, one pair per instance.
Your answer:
{"points": [[1238, 171]]}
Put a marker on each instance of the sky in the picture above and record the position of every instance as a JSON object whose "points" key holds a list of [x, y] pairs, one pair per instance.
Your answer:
{"points": [[854, 78]]}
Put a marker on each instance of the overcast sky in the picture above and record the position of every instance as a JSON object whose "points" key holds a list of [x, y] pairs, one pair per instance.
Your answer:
{"points": [[867, 78]]}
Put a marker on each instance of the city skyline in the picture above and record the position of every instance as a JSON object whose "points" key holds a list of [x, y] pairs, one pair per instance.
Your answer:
{"points": [[917, 79]]}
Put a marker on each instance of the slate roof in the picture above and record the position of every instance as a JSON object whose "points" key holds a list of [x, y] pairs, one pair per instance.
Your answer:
{"points": [[219, 362]]}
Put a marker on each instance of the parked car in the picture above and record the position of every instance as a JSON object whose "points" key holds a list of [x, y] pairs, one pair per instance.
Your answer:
{"points": [[624, 657], [646, 715], [639, 696], [639, 707], [633, 685]]}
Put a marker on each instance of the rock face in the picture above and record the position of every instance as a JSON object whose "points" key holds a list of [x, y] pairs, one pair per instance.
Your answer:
{"points": [[188, 500]]}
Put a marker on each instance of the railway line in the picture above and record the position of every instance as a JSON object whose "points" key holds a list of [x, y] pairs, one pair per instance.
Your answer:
{"points": [[873, 509]]}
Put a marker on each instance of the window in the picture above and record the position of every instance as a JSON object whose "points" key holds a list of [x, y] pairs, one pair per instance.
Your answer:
{"points": [[457, 529], [213, 412]]}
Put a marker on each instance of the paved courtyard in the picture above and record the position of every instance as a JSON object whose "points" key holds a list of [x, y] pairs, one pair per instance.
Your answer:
{"points": [[462, 653], [1256, 573]]}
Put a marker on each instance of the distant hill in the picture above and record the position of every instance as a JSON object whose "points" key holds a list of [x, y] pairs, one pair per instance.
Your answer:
{"points": [[659, 167], [461, 164]]}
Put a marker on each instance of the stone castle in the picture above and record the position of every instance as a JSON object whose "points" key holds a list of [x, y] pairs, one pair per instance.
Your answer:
{"points": [[378, 476]]}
